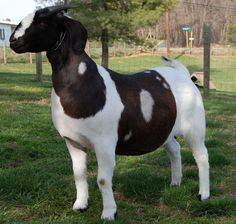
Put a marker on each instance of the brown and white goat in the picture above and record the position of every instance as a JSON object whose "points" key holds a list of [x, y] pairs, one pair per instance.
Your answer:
{"points": [[110, 113]]}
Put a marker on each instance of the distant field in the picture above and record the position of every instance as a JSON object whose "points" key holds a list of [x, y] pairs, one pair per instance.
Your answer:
{"points": [[36, 179], [223, 69]]}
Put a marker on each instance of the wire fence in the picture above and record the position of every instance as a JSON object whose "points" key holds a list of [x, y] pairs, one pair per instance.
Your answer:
{"points": [[186, 23], [126, 58]]}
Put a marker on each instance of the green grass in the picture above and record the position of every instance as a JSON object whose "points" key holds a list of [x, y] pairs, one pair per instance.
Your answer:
{"points": [[36, 179]]}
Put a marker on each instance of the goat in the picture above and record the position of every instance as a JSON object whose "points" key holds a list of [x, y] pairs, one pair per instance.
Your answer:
{"points": [[99, 109]]}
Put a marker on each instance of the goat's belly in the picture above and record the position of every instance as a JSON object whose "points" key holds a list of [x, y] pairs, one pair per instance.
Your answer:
{"points": [[136, 148], [142, 142], [138, 135]]}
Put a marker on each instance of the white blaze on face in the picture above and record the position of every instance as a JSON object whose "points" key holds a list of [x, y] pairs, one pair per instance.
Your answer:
{"points": [[82, 68], [146, 103], [25, 24]]}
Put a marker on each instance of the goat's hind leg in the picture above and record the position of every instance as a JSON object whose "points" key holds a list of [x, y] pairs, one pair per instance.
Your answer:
{"points": [[79, 161], [201, 157], [173, 149], [195, 137]]}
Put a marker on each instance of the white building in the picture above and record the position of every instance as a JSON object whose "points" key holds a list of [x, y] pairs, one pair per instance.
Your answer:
{"points": [[6, 29]]}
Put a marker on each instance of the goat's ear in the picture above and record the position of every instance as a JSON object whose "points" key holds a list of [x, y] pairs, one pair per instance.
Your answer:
{"points": [[78, 35]]}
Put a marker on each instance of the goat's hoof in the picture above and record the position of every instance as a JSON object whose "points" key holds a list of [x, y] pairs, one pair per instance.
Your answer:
{"points": [[175, 184], [109, 214], [83, 209], [201, 198], [80, 207]]}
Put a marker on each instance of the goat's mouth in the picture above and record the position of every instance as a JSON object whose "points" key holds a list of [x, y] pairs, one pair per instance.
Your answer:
{"points": [[18, 47]]}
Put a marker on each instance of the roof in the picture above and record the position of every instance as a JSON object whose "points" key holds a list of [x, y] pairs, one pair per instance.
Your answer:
{"points": [[8, 23]]}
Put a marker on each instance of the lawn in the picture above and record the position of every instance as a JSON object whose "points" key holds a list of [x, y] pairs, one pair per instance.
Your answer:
{"points": [[36, 179]]}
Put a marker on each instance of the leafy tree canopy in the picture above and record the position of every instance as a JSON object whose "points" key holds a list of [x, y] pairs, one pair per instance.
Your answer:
{"points": [[120, 17]]}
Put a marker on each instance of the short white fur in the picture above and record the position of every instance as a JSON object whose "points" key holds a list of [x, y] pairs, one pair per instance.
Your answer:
{"points": [[146, 103], [82, 68]]}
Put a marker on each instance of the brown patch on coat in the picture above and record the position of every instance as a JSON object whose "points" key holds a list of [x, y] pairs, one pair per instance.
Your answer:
{"points": [[80, 96], [146, 137]]}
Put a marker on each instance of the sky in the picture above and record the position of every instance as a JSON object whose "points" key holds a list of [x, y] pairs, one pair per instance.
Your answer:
{"points": [[16, 10]]}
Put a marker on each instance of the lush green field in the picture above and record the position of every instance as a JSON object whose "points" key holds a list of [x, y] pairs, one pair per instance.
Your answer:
{"points": [[36, 180]]}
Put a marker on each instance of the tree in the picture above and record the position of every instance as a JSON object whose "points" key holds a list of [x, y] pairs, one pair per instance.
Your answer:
{"points": [[109, 20], [232, 34], [112, 20], [195, 13]]}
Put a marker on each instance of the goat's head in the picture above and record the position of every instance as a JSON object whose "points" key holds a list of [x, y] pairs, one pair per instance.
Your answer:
{"points": [[44, 30]]}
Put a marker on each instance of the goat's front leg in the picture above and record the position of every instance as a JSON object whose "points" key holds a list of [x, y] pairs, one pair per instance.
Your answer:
{"points": [[79, 161], [106, 163]]}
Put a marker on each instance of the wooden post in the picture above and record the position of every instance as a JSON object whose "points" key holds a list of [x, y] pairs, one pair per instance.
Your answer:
{"points": [[105, 48], [124, 49], [168, 33], [4, 54], [191, 39], [30, 58], [186, 39], [39, 67], [207, 55]]}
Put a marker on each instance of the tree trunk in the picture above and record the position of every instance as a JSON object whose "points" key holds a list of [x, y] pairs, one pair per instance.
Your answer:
{"points": [[105, 51]]}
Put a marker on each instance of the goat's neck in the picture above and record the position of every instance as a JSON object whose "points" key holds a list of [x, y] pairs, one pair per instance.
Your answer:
{"points": [[65, 68], [81, 90]]}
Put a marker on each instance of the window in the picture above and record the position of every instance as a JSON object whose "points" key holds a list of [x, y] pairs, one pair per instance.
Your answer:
{"points": [[2, 34]]}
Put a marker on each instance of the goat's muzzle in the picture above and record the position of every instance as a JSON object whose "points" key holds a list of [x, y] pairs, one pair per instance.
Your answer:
{"points": [[17, 45]]}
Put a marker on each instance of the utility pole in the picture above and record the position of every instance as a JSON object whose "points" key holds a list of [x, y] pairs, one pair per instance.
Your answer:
{"points": [[168, 33]]}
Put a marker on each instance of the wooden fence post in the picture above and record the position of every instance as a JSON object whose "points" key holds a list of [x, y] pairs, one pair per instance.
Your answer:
{"points": [[30, 58], [4, 54], [105, 48], [39, 67], [168, 33], [207, 57]]}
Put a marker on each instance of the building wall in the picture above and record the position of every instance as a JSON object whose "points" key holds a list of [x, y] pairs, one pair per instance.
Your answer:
{"points": [[5, 33]]}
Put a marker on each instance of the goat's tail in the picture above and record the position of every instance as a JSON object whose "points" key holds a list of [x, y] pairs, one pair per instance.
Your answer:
{"points": [[175, 64]]}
